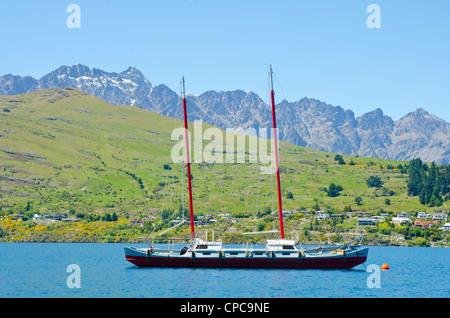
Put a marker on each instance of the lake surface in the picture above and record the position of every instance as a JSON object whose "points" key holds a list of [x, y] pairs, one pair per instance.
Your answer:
{"points": [[40, 270]]}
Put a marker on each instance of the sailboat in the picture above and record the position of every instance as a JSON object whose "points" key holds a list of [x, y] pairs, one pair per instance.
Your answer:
{"points": [[277, 253]]}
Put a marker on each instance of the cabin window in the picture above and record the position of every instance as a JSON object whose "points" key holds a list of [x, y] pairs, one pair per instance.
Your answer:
{"points": [[288, 247], [258, 253], [202, 247], [286, 253], [206, 253], [233, 253]]}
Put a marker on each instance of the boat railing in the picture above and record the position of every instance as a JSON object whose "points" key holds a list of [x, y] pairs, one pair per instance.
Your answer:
{"points": [[342, 247], [161, 250], [204, 235]]}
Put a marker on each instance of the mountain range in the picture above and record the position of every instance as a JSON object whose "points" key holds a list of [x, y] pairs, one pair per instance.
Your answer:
{"points": [[308, 122]]}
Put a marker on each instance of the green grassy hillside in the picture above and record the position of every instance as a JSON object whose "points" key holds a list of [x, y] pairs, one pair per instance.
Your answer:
{"points": [[64, 151]]}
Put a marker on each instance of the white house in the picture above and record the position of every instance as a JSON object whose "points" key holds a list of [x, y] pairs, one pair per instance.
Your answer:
{"points": [[136, 222], [439, 217], [400, 220], [423, 215], [365, 221], [322, 216], [403, 215], [377, 218], [446, 227], [37, 217]]}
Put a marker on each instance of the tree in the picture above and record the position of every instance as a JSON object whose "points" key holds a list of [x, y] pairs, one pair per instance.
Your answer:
{"points": [[387, 201], [315, 207], [429, 183], [290, 195], [415, 178], [347, 209], [374, 182], [358, 200], [260, 225], [333, 190], [339, 159], [420, 241], [165, 214], [435, 201]]}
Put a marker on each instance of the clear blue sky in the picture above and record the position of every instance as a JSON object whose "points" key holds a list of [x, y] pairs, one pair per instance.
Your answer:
{"points": [[319, 49]]}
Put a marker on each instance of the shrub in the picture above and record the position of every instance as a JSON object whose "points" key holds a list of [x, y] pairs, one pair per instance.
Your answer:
{"points": [[333, 190], [374, 182]]}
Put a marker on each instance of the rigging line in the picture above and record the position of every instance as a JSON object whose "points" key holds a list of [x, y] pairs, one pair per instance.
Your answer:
{"points": [[162, 205], [271, 185], [182, 190], [257, 194], [246, 201], [165, 187], [272, 153], [271, 150], [172, 190], [279, 86], [268, 93], [182, 163]]}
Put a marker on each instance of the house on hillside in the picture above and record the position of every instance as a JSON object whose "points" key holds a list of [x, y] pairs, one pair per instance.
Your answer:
{"points": [[136, 222], [377, 218], [439, 217], [365, 221], [423, 215], [37, 217], [425, 224], [401, 220], [403, 215], [322, 216]]}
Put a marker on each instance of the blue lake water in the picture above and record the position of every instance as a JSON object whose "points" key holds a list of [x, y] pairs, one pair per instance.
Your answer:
{"points": [[39, 270]]}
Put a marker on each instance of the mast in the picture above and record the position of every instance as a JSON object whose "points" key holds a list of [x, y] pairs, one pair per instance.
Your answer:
{"points": [[280, 207], [188, 161]]}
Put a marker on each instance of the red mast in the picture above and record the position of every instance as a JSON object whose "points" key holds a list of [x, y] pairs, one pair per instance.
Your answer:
{"points": [[280, 206], [188, 161]]}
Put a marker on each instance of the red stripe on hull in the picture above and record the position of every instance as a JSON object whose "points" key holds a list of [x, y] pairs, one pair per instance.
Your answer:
{"points": [[306, 263]]}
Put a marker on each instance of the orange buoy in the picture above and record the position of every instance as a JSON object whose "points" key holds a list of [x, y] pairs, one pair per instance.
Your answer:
{"points": [[385, 267]]}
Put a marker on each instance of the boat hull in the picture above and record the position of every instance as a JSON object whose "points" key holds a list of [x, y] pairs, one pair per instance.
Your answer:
{"points": [[302, 262]]}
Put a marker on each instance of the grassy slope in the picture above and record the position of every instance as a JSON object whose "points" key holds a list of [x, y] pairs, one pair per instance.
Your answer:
{"points": [[64, 149]]}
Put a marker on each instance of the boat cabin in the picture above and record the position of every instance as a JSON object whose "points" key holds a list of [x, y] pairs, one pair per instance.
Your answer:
{"points": [[281, 245], [200, 244]]}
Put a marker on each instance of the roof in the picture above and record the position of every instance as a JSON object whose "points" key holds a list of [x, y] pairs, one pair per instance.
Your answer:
{"points": [[365, 219], [280, 242]]}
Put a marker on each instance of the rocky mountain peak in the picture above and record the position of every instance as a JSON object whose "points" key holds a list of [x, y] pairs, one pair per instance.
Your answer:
{"points": [[307, 122]]}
